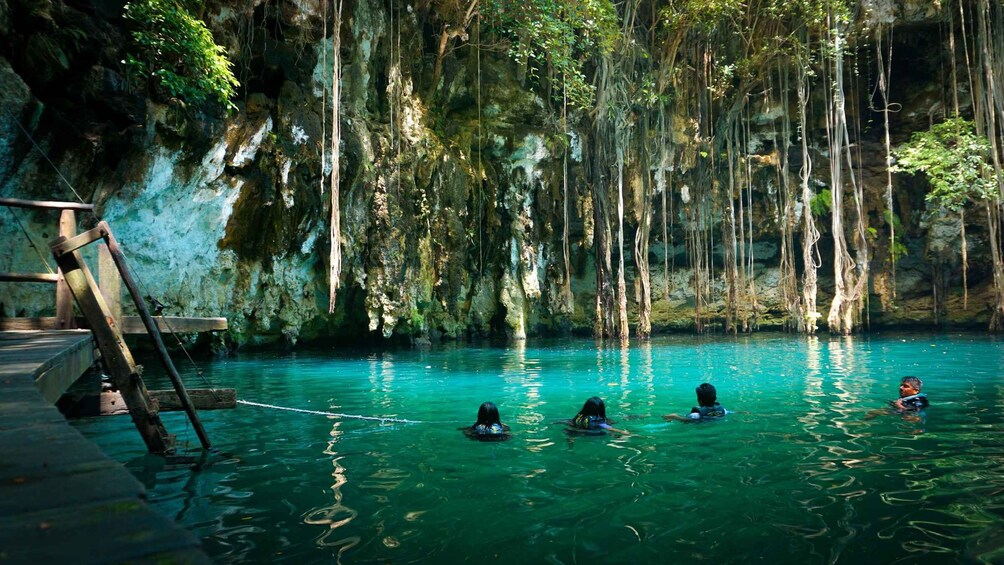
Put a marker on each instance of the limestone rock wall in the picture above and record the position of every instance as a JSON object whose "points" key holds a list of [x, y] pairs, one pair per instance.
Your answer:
{"points": [[451, 193]]}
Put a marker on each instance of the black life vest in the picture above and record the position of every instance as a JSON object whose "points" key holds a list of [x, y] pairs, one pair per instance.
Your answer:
{"points": [[493, 432], [583, 422], [708, 412], [915, 402]]}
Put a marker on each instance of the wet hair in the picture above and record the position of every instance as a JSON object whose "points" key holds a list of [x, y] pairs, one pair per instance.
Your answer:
{"points": [[706, 395], [488, 414], [594, 407], [913, 382]]}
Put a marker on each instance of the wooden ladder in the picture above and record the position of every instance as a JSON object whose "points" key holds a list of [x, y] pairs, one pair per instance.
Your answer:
{"points": [[75, 279]]}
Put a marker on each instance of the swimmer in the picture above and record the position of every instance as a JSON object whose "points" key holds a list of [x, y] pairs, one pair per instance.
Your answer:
{"points": [[910, 398], [489, 426], [707, 407], [592, 419], [910, 404]]}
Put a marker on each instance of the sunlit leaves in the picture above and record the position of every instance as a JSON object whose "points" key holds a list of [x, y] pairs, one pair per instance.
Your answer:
{"points": [[177, 53], [955, 161], [563, 34]]}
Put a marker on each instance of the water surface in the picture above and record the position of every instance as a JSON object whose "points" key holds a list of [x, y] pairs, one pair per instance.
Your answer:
{"points": [[799, 474]]}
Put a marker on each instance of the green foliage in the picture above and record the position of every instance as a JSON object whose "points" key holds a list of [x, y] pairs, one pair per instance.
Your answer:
{"points": [[175, 51], [820, 203], [703, 15], [561, 33], [955, 161], [898, 249]]}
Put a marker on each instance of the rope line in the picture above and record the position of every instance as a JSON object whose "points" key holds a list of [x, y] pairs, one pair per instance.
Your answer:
{"points": [[31, 241], [46, 157], [380, 419]]}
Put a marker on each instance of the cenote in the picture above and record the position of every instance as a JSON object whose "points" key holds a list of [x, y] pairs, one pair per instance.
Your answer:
{"points": [[797, 474]]}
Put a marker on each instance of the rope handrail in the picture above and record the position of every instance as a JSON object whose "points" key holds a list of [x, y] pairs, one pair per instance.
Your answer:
{"points": [[381, 419]]}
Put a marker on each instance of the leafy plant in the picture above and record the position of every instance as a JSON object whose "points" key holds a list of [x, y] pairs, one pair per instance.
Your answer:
{"points": [[820, 203], [559, 33], [175, 51], [955, 161], [898, 250]]}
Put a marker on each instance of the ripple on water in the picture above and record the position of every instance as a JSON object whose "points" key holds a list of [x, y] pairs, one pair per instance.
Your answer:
{"points": [[801, 474]]}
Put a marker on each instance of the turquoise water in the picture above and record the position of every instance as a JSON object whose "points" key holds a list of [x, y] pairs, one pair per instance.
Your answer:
{"points": [[799, 474]]}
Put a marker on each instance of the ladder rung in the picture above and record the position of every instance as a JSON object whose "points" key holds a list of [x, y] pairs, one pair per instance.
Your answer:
{"points": [[60, 246]]}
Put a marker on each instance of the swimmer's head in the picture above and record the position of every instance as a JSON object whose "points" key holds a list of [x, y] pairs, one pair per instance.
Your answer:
{"points": [[909, 386], [706, 395], [594, 407], [488, 414]]}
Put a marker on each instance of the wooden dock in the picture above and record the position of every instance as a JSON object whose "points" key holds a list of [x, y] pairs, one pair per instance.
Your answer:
{"points": [[61, 499]]}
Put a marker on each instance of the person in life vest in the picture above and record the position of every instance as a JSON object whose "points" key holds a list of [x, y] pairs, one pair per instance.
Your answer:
{"points": [[910, 398], [910, 404], [489, 426], [592, 419], [707, 407]]}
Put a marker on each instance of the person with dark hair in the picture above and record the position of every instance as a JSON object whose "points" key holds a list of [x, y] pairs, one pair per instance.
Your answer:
{"points": [[707, 407], [489, 426], [910, 404], [592, 419], [910, 398]]}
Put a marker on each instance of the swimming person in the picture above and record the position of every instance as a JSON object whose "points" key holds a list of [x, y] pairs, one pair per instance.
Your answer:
{"points": [[910, 404], [592, 419], [707, 407], [489, 426], [910, 398]]}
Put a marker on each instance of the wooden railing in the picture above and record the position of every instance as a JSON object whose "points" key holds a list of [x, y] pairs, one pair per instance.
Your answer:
{"points": [[101, 308], [108, 282]]}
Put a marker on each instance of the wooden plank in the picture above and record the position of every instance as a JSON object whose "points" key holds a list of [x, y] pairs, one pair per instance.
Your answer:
{"points": [[116, 356], [53, 382], [23, 495], [111, 285], [64, 298], [47, 449], [29, 277], [46, 204], [28, 324], [202, 399], [73, 243], [29, 354], [111, 403], [61, 499], [175, 324], [118, 530], [129, 325]]}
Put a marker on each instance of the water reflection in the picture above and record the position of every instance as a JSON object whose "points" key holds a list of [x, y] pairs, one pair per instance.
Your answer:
{"points": [[801, 476], [337, 514]]}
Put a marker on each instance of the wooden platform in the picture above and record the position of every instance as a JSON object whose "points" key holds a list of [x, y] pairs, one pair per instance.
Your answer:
{"points": [[61, 499]]}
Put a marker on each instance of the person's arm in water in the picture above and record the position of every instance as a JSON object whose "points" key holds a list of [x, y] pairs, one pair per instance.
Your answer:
{"points": [[675, 417], [610, 428]]}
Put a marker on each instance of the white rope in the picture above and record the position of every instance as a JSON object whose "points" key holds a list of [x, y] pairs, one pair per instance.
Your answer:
{"points": [[335, 414]]}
